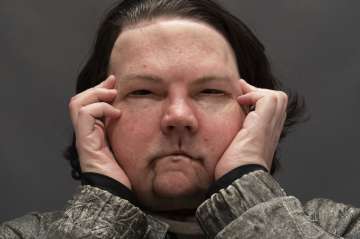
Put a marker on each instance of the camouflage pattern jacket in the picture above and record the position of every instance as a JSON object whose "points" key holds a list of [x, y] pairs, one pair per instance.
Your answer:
{"points": [[253, 206]]}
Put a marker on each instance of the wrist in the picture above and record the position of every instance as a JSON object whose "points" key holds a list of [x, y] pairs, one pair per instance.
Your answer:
{"points": [[222, 170], [121, 179], [110, 170], [232, 175], [108, 184]]}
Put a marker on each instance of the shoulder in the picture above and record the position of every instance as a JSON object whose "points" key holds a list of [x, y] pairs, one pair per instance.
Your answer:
{"points": [[339, 218], [33, 223], [322, 207]]}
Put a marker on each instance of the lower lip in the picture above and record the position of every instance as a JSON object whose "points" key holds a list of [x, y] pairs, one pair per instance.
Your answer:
{"points": [[175, 158]]}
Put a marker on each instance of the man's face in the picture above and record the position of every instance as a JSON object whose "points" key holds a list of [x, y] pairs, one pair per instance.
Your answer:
{"points": [[177, 88]]}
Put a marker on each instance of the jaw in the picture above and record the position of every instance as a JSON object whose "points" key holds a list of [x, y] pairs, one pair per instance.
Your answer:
{"points": [[174, 190]]}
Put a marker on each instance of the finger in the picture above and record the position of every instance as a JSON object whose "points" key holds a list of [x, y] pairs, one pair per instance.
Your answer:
{"points": [[108, 83], [238, 92], [282, 107], [252, 97], [265, 102], [279, 117], [238, 88], [246, 87], [90, 96], [282, 124], [279, 126], [91, 115]]}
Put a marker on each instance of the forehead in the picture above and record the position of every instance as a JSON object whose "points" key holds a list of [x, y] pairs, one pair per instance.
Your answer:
{"points": [[171, 44]]}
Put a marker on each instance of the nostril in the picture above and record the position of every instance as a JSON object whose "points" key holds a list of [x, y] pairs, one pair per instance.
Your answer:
{"points": [[172, 127], [188, 127], [173, 121]]}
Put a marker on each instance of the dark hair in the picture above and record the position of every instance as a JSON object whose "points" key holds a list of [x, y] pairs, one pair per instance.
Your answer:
{"points": [[252, 62]]}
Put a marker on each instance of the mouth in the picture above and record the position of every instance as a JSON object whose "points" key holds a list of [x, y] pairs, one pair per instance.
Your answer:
{"points": [[181, 153], [175, 156]]}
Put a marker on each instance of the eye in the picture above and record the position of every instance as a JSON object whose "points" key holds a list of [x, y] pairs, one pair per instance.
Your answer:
{"points": [[140, 92], [213, 92]]}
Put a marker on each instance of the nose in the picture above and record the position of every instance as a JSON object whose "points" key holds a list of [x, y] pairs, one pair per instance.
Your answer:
{"points": [[179, 118]]}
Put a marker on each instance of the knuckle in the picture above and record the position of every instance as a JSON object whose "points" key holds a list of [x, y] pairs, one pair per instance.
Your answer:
{"points": [[273, 98], [98, 91], [283, 122], [103, 104], [72, 103], [283, 95], [91, 90], [286, 98], [83, 111]]}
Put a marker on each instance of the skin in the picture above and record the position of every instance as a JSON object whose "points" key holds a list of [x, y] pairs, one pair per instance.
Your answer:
{"points": [[174, 120], [180, 111]]}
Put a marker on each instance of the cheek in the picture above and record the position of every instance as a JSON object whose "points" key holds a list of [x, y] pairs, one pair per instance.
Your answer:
{"points": [[133, 134], [219, 127]]}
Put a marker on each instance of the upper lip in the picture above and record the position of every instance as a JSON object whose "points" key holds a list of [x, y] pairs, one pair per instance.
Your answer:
{"points": [[176, 153]]}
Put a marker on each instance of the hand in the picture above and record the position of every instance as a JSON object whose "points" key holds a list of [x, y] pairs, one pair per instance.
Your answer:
{"points": [[88, 111], [257, 140]]}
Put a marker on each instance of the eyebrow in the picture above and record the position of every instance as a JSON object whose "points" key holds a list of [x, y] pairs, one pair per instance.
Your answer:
{"points": [[207, 79], [131, 77], [156, 79]]}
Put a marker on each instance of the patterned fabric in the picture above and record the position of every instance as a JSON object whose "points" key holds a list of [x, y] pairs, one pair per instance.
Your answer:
{"points": [[254, 206]]}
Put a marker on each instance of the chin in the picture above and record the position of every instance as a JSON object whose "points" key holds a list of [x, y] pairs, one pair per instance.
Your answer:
{"points": [[174, 184], [174, 191]]}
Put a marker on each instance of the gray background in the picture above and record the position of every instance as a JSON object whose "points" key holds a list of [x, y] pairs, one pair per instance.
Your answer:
{"points": [[314, 47]]}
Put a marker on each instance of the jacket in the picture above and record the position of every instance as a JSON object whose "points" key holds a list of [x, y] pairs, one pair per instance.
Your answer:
{"points": [[253, 206]]}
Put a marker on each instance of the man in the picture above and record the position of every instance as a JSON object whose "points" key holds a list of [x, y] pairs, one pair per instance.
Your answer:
{"points": [[175, 143]]}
